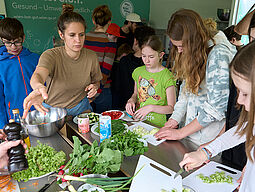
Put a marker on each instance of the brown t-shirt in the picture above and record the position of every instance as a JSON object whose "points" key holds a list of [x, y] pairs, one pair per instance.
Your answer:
{"points": [[68, 78]]}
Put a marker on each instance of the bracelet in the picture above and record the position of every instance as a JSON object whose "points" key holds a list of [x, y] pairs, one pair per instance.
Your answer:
{"points": [[207, 153]]}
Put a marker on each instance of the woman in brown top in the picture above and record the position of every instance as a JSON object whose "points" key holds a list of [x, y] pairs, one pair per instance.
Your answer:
{"points": [[71, 72]]}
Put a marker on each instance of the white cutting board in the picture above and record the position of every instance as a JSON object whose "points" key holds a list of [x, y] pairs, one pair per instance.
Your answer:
{"points": [[150, 179], [208, 169], [149, 138]]}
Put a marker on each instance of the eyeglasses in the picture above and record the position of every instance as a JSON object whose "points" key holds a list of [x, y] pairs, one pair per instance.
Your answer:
{"points": [[9, 43]]}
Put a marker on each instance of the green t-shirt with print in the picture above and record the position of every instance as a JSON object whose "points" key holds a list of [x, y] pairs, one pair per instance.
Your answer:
{"points": [[151, 90]]}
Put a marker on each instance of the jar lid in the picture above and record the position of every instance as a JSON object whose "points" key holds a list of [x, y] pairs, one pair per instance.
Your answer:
{"points": [[15, 111]]}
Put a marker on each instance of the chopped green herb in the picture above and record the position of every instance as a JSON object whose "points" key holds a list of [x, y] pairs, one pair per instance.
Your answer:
{"points": [[217, 177], [42, 159]]}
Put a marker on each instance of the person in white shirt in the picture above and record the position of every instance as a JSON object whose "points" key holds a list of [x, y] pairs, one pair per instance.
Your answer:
{"points": [[243, 74]]}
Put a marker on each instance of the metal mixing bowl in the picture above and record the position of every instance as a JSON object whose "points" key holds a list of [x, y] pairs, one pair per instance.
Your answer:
{"points": [[41, 125]]}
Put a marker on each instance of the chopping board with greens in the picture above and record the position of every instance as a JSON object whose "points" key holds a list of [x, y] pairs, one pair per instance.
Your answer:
{"points": [[213, 177]]}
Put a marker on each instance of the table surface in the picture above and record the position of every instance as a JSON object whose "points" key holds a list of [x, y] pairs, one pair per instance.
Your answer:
{"points": [[168, 153]]}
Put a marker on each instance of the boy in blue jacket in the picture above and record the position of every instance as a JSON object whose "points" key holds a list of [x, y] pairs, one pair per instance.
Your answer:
{"points": [[17, 65]]}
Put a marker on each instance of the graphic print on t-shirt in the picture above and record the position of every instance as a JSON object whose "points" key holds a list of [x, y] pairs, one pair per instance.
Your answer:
{"points": [[147, 89]]}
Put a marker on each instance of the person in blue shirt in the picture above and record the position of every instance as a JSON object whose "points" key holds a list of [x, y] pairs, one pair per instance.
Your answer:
{"points": [[17, 65]]}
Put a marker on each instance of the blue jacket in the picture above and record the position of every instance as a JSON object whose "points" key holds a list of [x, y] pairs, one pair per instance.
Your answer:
{"points": [[15, 74]]}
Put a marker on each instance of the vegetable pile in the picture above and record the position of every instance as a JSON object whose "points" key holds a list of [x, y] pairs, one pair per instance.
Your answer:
{"points": [[118, 126], [113, 114], [107, 184], [143, 131], [93, 159], [127, 142], [93, 118], [217, 177], [41, 159]]}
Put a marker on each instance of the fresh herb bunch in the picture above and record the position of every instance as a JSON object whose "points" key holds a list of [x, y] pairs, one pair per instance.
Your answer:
{"points": [[118, 126], [41, 159], [126, 142], [93, 159]]}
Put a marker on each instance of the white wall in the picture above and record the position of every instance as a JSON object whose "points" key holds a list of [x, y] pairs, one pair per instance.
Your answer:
{"points": [[161, 10]]}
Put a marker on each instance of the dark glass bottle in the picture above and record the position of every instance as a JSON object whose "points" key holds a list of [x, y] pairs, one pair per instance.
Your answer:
{"points": [[17, 159], [24, 131]]}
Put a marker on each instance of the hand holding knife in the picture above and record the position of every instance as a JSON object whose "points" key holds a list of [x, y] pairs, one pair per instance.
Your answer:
{"points": [[179, 172]]}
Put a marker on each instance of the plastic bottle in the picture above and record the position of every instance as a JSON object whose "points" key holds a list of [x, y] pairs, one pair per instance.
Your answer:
{"points": [[24, 131]]}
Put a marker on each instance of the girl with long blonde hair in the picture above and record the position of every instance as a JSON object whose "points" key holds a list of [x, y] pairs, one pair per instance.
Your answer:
{"points": [[201, 62]]}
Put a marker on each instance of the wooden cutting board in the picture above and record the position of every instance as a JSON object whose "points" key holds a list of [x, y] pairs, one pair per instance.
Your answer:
{"points": [[208, 169], [150, 179]]}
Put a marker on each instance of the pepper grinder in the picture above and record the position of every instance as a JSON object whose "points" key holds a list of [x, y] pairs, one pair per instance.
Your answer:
{"points": [[17, 159]]}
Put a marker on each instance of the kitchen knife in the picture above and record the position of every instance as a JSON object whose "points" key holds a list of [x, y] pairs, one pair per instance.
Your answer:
{"points": [[179, 172], [46, 186], [160, 169]]}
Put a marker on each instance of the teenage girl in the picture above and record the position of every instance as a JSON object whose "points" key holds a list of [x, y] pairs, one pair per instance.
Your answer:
{"points": [[202, 63], [154, 90], [243, 74]]}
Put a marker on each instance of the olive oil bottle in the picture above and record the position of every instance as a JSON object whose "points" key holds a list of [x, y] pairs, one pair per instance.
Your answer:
{"points": [[24, 131]]}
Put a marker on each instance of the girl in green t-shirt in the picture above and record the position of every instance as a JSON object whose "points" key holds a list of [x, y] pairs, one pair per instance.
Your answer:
{"points": [[154, 90]]}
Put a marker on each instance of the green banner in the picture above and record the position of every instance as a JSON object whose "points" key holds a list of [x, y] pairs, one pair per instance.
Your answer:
{"points": [[39, 17]]}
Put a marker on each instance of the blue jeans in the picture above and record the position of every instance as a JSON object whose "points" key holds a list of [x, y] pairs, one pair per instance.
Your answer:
{"points": [[103, 102], [78, 109]]}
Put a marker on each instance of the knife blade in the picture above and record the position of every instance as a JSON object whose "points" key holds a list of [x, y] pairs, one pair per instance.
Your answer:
{"points": [[46, 186], [160, 169], [179, 172]]}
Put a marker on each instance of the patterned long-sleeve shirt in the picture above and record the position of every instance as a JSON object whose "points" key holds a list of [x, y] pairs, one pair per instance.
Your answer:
{"points": [[231, 139], [105, 50], [210, 104]]}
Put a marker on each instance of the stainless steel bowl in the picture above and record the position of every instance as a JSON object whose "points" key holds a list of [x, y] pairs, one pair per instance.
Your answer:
{"points": [[41, 125]]}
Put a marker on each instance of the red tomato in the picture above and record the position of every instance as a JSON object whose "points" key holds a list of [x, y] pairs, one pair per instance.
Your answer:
{"points": [[113, 114]]}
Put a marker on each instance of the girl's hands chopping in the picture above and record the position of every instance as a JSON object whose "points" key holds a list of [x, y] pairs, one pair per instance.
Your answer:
{"points": [[193, 160]]}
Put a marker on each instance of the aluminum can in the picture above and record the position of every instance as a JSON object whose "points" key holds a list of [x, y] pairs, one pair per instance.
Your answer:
{"points": [[105, 127], [83, 123]]}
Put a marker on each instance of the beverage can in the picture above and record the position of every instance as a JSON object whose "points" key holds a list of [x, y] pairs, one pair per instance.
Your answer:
{"points": [[83, 123], [105, 127]]}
